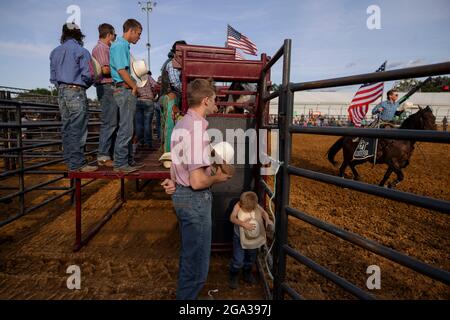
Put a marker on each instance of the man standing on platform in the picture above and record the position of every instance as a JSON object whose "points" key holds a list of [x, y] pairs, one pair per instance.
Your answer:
{"points": [[70, 73], [105, 90], [125, 95]]}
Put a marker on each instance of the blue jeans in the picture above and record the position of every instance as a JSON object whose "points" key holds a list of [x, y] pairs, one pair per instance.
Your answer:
{"points": [[126, 102], [193, 209], [143, 121], [241, 257], [108, 105], [158, 120], [73, 108]]}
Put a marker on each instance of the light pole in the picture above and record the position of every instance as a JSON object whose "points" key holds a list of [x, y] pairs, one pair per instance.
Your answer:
{"points": [[148, 8]]}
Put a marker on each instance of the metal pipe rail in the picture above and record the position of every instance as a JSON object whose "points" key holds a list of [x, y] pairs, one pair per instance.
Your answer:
{"points": [[414, 72], [393, 255], [403, 134], [285, 107], [405, 197]]}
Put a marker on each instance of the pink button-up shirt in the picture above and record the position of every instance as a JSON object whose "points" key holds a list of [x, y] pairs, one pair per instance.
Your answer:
{"points": [[190, 148], [101, 54]]}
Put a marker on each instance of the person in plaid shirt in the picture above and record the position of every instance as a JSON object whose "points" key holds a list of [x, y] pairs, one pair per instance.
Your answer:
{"points": [[144, 112]]}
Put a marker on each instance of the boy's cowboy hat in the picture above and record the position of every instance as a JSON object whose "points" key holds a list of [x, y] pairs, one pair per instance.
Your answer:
{"points": [[166, 160], [253, 239], [139, 72]]}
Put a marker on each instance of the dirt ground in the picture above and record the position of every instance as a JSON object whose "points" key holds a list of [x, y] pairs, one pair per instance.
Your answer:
{"points": [[135, 255], [419, 233]]}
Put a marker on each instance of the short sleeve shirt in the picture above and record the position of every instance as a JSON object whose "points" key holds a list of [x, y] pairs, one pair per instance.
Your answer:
{"points": [[119, 58]]}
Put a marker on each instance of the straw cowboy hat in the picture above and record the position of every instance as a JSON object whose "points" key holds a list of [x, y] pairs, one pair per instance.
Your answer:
{"points": [[139, 72], [225, 152], [96, 69], [253, 239], [166, 160]]}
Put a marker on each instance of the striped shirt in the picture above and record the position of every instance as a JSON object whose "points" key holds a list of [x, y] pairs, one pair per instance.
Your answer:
{"points": [[146, 92], [101, 54]]}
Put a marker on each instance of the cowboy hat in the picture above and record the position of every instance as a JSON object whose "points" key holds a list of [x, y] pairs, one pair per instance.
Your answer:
{"points": [[139, 72], [96, 69], [166, 160], [225, 151], [253, 239]]}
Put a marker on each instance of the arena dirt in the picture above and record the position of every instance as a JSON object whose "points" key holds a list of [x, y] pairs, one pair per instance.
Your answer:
{"points": [[135, 255]]}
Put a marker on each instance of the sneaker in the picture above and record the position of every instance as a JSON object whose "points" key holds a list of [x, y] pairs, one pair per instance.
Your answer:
{"points": [[126, 169], [86, 168], [248, 277], [234, 280], [106, 163]]}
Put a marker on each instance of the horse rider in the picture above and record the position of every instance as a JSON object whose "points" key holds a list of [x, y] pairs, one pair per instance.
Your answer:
{"points": [[387, 110]]}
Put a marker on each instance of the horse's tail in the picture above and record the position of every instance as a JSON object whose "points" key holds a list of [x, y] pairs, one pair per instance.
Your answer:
{"points": [[338, 145]]}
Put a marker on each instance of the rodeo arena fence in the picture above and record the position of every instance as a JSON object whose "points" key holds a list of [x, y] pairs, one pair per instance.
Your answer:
{"points": [[283, 209], [32, 146]]}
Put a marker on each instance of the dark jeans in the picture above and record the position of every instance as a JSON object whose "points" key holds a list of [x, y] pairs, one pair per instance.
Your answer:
{"points": [[158, 120], [241, 257], [193, 209], [126, 102], [105, 94], [73, 108], [143, 121]]}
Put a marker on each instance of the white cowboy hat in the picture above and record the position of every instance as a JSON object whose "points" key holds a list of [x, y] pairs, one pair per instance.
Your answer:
{"points": [[139, 72], [97, 69], [253, 239], [225, 151], [166, 160]]}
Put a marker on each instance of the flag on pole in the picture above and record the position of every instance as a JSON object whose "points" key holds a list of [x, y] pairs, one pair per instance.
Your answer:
{"points": [[237, 40], [366, 94]]}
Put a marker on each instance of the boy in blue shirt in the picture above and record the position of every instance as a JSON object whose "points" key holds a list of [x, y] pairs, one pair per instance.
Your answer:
{"points": [[125, 95]]}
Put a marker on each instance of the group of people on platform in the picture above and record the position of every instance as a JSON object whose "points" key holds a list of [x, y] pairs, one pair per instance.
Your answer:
{"points": [[128, 102]]}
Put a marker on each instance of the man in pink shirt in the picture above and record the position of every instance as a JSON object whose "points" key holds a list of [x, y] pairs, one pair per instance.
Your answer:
{"points": [[190, 188], [105, 91]]}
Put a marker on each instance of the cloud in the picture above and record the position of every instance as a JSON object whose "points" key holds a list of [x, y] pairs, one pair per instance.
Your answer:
{"points": [[23, 49], [395, 64], [410, 63], [416, 62]]}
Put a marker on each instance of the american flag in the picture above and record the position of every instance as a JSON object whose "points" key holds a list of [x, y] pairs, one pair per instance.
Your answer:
{"points": [[366, 94], [236, 39], [239, 56]]}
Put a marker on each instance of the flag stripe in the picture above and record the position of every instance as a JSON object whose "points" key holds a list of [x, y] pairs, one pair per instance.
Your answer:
{"points": [[370, 95]]}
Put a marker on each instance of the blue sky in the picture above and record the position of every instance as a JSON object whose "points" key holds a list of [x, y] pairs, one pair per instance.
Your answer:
{"points": [[330, 38]]}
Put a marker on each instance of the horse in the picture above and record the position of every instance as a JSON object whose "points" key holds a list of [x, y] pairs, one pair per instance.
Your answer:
{"points": [[240, 98], [394, 153]]}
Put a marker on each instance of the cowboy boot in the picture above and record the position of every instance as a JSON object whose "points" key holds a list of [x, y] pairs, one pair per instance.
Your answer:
{"points": [[234, 279], [248, 276]]}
